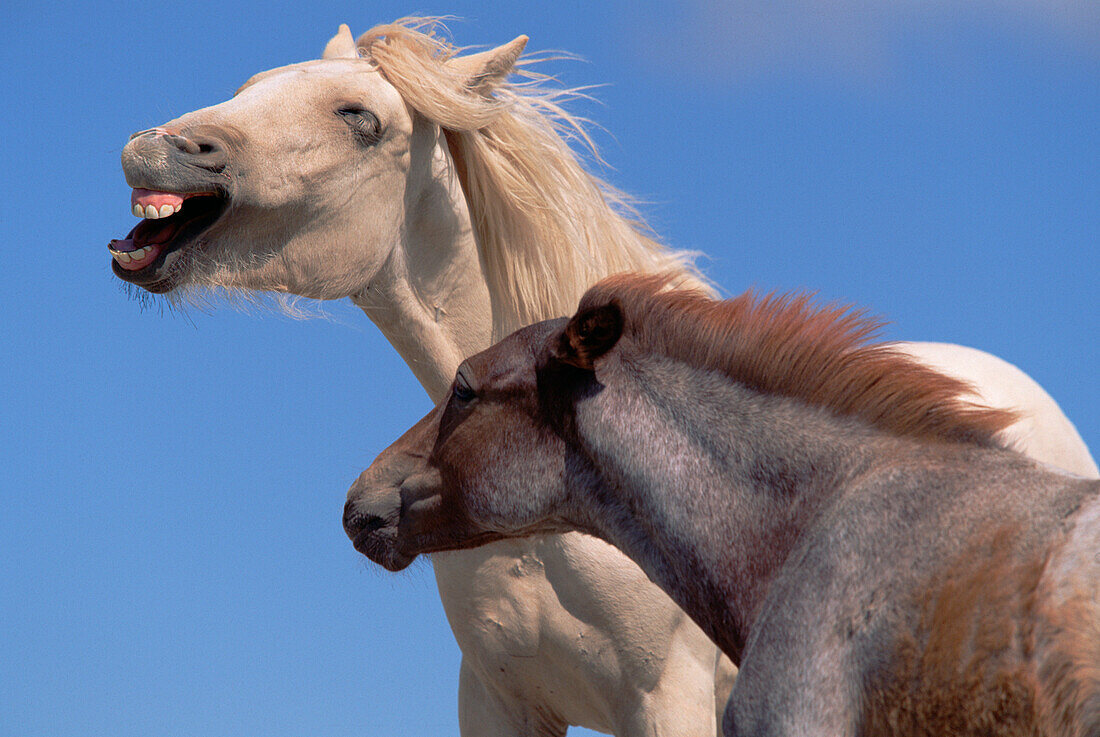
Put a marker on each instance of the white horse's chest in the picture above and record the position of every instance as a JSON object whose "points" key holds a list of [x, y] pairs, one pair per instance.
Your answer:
{"points": [[557, 621], [492, 599]]}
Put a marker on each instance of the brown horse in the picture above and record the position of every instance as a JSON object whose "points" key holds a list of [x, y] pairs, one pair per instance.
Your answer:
{"points": [[846, 528]]}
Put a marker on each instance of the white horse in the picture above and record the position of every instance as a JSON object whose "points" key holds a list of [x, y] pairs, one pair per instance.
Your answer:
{"points": [[445, 201]]}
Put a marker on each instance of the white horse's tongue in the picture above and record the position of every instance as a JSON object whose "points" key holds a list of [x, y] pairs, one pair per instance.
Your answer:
{"points": [[152, 197], [125, 245]]}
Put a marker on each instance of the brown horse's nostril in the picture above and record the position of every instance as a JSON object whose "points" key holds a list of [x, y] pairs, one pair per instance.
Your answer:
{"points": [[350, 519], [356, 522]]}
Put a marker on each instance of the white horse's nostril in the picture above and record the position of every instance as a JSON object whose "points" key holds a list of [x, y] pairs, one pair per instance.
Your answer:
{"points": [[158, 131]]}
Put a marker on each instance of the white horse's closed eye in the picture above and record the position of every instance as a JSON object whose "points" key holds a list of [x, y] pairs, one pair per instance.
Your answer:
{"points": [[462, 217]]}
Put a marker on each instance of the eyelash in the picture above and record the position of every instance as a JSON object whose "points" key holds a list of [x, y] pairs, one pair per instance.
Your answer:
{"points": [[363, 123]]}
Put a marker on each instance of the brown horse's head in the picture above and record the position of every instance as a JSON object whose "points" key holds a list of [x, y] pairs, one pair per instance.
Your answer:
{"points": [[302, 182], [489, 463]]}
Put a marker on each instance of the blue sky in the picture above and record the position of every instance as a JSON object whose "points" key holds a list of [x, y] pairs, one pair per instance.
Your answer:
{"points": [[171, 556]]}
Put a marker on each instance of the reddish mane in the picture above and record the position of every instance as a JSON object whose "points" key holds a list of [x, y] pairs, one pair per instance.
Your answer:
{"points": [[782, 344]]}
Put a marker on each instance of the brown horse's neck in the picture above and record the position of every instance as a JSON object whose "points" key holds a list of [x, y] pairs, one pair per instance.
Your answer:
{"points": [[424, 300], [711, 494]]}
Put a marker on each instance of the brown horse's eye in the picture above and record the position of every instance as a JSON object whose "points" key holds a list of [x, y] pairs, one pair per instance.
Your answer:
{"points": [[462, 390], [362, 122]]}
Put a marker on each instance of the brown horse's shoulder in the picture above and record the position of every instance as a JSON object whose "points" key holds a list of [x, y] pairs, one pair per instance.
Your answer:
{"points": [[1008, 635], [961, 668]]}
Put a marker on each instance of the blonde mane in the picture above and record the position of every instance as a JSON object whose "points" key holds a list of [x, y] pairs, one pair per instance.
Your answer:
{"points": [[546, 228], [784, 345]]}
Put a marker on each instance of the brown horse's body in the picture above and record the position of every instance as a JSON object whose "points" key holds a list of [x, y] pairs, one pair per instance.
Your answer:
{"points": [[849, 532]]}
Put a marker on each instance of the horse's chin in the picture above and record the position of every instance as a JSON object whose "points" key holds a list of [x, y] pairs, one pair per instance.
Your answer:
{"points": [[381, 547], [158, 254], [398, 562]]}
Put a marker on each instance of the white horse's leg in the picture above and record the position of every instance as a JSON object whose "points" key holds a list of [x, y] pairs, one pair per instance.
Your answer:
{"points": [[481, 713], [1043, 431]]}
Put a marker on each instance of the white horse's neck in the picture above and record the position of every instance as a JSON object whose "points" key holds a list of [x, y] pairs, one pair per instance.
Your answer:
{"points": [[424, 300], [431, 301]]}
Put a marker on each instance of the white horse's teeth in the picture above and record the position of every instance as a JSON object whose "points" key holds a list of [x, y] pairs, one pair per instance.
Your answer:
{"points": [[151, 212], [139, 211], [166, 210], [123, 258]]}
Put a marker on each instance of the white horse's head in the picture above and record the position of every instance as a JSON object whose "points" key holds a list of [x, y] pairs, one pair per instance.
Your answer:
{"points": [[304, 181]]}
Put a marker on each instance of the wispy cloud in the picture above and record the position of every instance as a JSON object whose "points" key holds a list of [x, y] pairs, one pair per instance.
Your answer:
{"points": [[860, 38]]}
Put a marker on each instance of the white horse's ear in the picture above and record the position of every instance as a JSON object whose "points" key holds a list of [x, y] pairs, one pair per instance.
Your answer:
{"points": [[486, 69], [342, 45]]}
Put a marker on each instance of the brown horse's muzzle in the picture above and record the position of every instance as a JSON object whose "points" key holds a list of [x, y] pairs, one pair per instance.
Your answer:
{"points": [[372, 516], [389, 502]]}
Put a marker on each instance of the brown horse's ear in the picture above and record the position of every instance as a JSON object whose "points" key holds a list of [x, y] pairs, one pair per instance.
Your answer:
{"points": [[590, 334], [486, 69], [342, 45]]}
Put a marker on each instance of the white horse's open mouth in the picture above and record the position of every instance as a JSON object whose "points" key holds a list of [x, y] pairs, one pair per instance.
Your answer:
{"points": [[171, 222]]}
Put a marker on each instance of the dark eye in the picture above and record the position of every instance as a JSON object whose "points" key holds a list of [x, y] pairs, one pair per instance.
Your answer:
{"points": [[362, 122], [462, 390]]}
